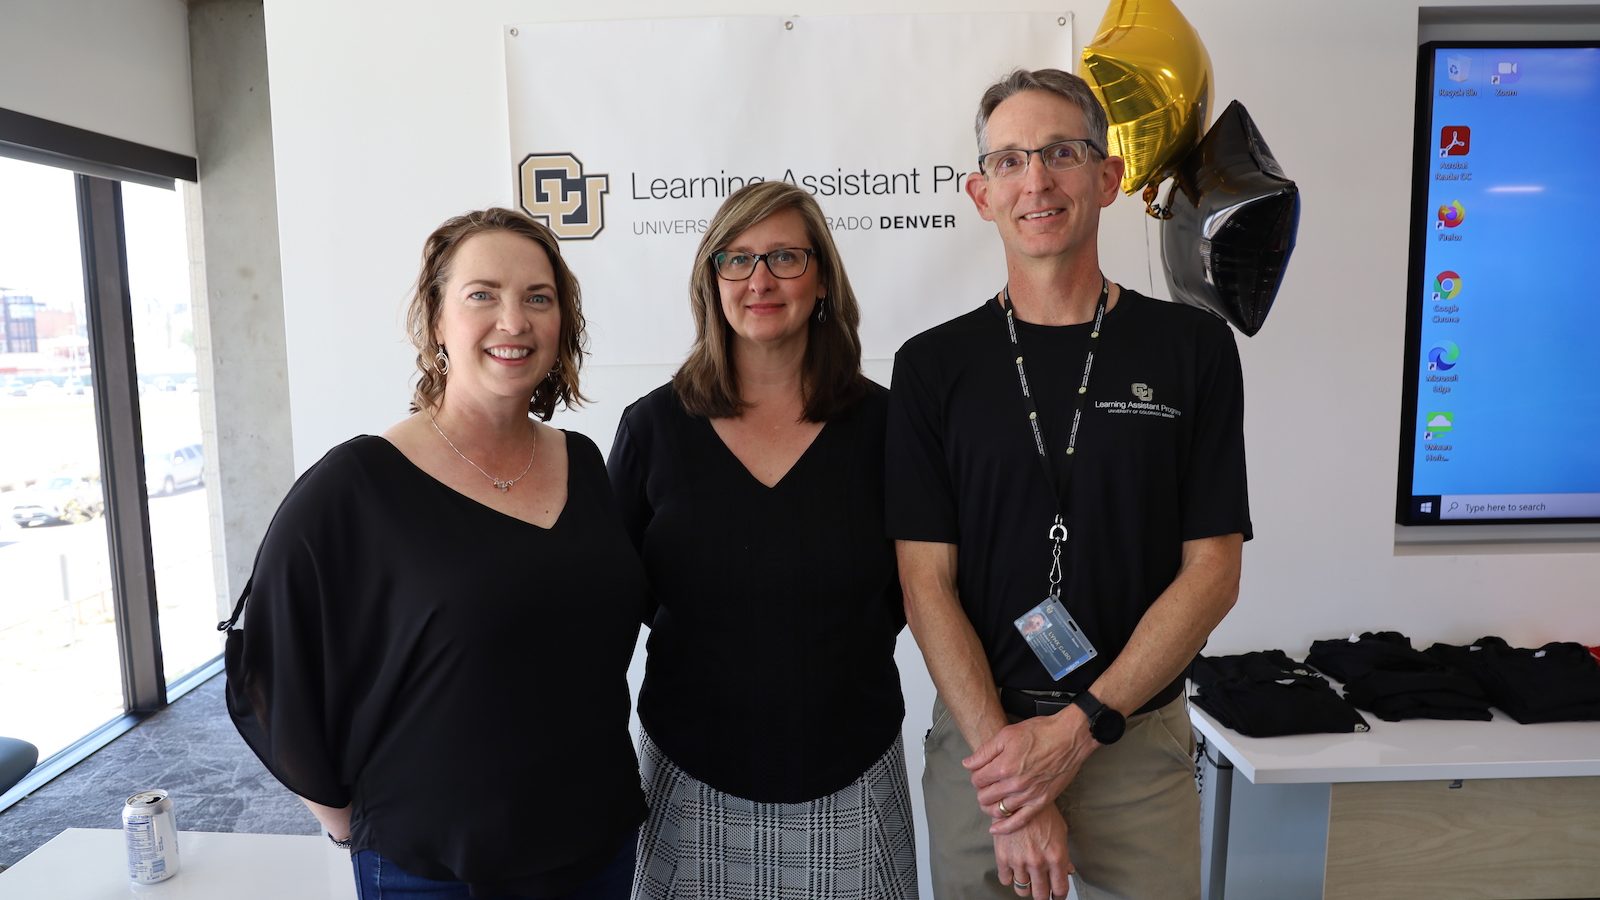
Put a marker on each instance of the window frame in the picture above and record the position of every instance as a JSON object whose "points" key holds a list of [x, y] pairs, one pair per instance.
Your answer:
{"points": [[100, 165]]}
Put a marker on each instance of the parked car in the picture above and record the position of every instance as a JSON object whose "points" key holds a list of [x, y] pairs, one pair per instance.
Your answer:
{"points": [[166, 471], [57, 500], [44, 387]]}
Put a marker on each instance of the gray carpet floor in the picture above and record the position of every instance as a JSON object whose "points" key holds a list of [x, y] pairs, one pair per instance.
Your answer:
{"points": [[190, 749]]}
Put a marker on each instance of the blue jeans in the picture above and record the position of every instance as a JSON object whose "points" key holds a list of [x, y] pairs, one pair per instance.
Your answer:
{"points": [[378, 878]]}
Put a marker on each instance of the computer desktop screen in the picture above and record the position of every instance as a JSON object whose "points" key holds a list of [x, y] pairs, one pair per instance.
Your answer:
{"points": [[1501, 415]]}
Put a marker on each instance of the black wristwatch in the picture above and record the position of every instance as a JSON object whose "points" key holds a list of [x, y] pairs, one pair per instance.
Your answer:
{"points": [[1105, 724]]}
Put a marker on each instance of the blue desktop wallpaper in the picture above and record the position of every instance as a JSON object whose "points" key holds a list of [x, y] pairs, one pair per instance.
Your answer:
{"points": [[1507, 395]]}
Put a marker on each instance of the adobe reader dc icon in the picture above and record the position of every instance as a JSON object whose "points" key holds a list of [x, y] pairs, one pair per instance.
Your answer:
{"points": [[552, 188]]}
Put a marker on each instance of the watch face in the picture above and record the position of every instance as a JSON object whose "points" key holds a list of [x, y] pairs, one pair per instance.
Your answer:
{"points": [[1105, 724], [1108, 726]]}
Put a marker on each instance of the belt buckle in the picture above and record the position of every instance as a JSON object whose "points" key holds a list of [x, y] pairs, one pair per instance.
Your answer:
{"points": [[1048, 703]]}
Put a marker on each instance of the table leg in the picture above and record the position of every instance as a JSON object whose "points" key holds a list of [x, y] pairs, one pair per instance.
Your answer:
{"points": [[1215, 805]]}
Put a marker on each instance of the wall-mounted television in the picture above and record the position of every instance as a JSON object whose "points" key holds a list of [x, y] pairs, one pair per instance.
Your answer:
{"points": [[1500, 422]]}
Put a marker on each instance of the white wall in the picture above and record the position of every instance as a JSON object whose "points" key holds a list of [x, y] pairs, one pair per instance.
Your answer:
{"points": [[388, 118], [120, 69]]}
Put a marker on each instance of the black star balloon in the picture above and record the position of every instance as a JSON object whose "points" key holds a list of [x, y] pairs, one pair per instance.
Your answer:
{"points": [[1234, 215]]}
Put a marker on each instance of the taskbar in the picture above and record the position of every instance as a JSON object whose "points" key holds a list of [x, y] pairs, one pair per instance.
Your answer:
{"points": [[1431, 508]]}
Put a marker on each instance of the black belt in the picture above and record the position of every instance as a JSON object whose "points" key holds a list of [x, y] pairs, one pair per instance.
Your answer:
{"points": [[1027, 704]]}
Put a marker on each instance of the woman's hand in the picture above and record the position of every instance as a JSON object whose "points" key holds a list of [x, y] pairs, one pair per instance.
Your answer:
{"points": [[336, 822]]}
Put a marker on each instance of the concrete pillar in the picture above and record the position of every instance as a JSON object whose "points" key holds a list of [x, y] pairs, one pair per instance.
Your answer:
{"points": [[239, 337]]}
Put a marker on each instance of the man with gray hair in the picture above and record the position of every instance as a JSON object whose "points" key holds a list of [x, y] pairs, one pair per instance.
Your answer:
{"points": [[1066, 488]]}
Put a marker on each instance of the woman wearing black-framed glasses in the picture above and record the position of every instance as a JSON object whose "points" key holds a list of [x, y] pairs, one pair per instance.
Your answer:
{"points": [[753, 487]]}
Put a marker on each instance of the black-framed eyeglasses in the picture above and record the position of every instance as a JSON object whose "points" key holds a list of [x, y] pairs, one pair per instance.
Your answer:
{"points": [[784, 262], [1057, 157]]}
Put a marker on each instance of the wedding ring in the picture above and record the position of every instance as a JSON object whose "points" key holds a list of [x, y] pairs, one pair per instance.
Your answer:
{"points": [[1004, 813], [1022, 885]]}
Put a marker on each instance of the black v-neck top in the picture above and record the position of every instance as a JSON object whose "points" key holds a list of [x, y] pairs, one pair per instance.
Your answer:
{"points": [[458, 674], [771, 671]]}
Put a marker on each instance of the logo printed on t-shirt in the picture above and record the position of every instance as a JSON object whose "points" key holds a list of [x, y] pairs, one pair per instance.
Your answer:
{"points": [[1143, 404]]}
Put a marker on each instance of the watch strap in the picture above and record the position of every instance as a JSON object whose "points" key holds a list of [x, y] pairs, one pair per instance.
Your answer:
{"points": [[1090, 704], [1106, 725]]}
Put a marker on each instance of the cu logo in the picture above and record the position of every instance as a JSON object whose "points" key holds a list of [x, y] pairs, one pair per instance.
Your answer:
{"points": [[552, 188], [1143, 392]]}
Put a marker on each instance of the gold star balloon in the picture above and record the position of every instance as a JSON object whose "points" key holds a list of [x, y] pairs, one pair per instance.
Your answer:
{"points": [[1153, 76]]}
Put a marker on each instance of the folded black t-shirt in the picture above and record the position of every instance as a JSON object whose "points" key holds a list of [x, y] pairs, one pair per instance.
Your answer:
{"points": [[1267, 694], [1559, 682], [1382, 673]]}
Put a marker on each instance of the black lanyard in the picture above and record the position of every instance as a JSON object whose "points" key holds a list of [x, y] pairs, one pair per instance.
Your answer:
{"points": [[1058, 530]]}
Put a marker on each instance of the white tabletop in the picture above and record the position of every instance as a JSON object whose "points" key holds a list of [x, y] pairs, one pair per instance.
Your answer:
{"points": [[1413, 750], [92, 864]]}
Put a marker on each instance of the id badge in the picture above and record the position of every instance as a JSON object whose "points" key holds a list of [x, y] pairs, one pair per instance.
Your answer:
{"points": [[1055, 638]]}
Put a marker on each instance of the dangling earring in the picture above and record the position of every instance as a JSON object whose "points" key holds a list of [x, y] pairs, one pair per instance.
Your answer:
{"points": [[441, 362], [822, 310]]}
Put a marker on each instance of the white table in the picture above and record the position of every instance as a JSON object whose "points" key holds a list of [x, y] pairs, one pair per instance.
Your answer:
{"points": [[92, 864], [1425, 808]]}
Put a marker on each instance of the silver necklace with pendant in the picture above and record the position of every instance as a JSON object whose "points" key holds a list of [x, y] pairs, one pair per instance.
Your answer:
{"points": [[500, 484]]}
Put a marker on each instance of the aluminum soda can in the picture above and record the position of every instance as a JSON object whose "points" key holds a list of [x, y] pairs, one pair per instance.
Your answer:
{"points": [[151, 831]]}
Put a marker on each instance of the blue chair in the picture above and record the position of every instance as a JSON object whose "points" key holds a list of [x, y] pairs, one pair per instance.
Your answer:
{"points": [[17, 759]]}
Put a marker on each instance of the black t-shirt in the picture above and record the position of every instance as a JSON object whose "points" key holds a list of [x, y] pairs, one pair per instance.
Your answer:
{"points": [[457, 674], [1159, 461], [771, 672]]}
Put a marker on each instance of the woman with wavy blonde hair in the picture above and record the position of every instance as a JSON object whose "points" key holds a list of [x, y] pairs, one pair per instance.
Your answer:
{"points": [[423, 600]]}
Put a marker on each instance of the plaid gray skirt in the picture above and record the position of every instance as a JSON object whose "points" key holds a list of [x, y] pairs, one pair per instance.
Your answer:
{"points": [[699, 843]]}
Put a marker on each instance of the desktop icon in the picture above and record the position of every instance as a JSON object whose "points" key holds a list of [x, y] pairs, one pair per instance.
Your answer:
{"points": [[1455, 140], [1506, 72], [1443, 357], [1451, 214], [1438, 423], [1446, 285], [1458, 68]]}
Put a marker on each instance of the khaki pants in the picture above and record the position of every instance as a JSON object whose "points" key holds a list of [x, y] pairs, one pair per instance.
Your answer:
{"points": [[1133, 815]]}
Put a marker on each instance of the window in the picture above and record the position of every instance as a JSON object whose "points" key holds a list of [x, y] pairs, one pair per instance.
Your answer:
{"points": [[60, 675], [84, 628], [170, 399]]}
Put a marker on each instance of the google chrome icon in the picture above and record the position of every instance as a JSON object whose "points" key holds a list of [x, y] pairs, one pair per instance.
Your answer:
{"points": [[1452, 214], [1446, 285]]}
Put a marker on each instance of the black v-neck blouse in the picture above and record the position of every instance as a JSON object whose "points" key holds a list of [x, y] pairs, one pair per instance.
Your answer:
{"points": [[771, 671], [458, 674]]}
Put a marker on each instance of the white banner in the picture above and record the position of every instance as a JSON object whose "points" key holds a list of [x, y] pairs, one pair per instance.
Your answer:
{"points": [[626, 136]]}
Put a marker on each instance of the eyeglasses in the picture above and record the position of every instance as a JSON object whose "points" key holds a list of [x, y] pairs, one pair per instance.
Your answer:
{"points": [[1058, 157], [784, 262]]}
